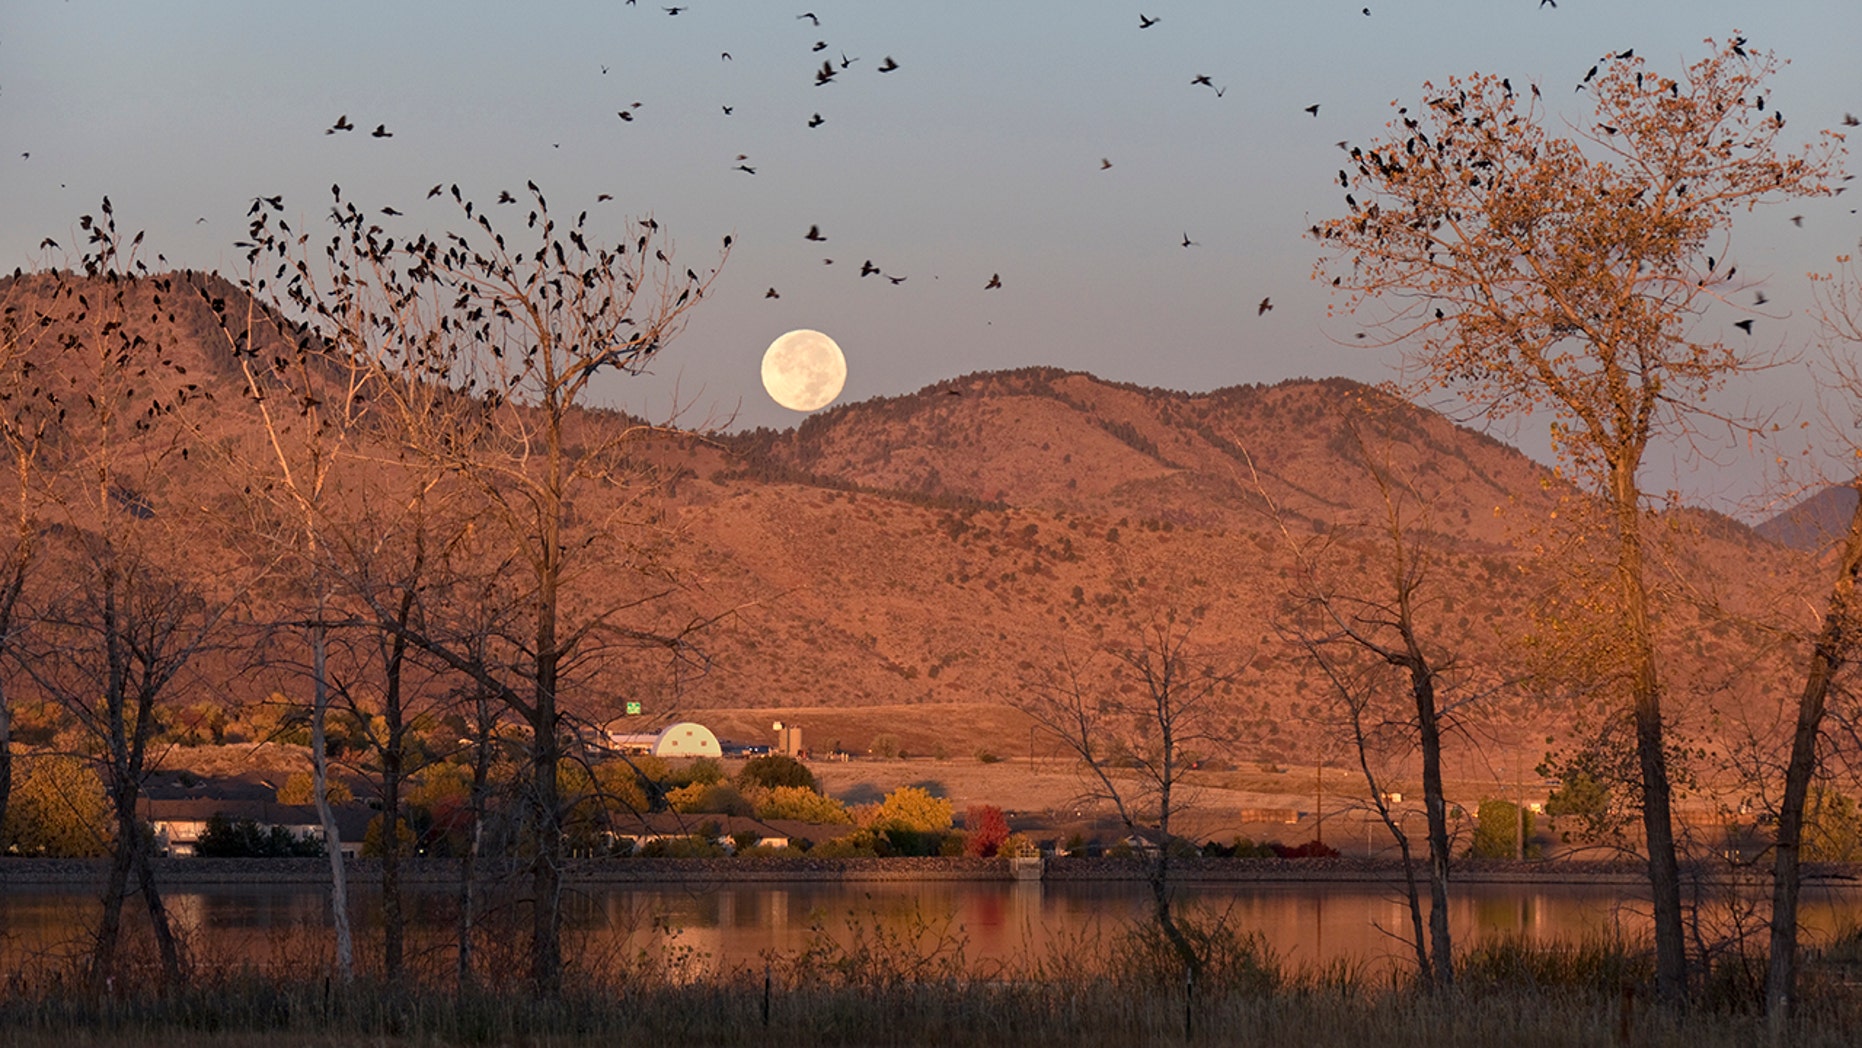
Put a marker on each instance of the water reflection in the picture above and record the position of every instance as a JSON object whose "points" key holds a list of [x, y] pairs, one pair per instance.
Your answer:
{"points": [[737, 924]]}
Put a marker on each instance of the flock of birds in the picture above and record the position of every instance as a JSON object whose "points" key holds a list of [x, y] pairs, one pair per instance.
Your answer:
{"points": [[838, 64]]}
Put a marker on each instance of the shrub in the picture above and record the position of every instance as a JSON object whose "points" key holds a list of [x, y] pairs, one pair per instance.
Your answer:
{"points": [[714, 799], [1497, 832], [987, 827], [986, 757], [775, 770], [692, 846], [911, 808], [861, 844], [1313, 849], [58, 809], [886, 745], [802, 804], [300, 788], [246, 839]]}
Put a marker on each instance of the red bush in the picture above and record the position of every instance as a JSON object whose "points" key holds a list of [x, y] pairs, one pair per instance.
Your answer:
{"points": [[987, 827]]}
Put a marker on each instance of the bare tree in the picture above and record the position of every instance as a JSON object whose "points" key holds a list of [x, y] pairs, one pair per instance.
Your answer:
{"points": [[1356, 627], [1135, 717], [1570, 273], [25, 416], [489, 353], [131, 608]]}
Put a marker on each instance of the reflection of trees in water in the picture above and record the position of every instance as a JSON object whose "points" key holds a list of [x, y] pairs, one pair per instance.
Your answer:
{"points": [[732, 925]]}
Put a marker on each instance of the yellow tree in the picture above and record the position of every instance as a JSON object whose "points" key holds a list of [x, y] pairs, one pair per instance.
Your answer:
{"points": [[1535, 269]]}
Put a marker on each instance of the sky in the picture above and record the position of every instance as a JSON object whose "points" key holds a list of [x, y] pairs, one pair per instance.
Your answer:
{"points": [[983, 154]]}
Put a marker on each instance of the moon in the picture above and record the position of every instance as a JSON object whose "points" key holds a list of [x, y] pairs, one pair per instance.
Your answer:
{"points": [[804, 370]]}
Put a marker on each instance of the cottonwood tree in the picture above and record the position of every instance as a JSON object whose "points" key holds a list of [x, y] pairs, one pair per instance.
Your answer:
{"points": [[1834, 646], [1570, 273], [489, 353], [1137, 716]]}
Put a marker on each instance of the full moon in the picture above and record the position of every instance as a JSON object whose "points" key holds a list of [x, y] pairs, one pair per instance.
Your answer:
{"points": [[804, 370]]}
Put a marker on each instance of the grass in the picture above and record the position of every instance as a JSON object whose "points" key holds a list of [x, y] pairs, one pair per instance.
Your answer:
{"points": [[861, 983]]}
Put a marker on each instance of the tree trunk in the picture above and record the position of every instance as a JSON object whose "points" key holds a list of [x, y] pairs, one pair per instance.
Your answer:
{"points": [[393, 916], [1652, 758], [116, 890], [1832, 647], [1422, 686], [468, 863], [332, 836], [166, 944]]}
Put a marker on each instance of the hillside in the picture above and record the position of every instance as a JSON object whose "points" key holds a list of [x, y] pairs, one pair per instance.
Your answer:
{"points": [[946, 550]]}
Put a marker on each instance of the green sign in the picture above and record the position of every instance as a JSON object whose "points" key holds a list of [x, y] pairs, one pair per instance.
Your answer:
{"points": [[633, 709]]}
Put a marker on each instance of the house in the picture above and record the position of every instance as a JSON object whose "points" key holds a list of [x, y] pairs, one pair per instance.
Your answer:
{"points": [[178, 823], [637, 831]]}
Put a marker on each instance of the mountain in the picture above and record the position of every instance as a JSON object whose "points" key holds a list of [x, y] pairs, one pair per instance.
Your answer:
{"points": [[946, 549], [1814, 522]]}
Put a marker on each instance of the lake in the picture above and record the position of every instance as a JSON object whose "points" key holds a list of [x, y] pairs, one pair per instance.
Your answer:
{"points": [[724, 925]]}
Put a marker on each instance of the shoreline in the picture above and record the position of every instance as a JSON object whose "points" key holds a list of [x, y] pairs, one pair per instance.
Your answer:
{"points": [[426, 873]]}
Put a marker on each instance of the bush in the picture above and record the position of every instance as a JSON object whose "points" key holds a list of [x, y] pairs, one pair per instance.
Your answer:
{"points": [[987, 827], [802, 804], [775, 770], [886, 745], [693, 846], [913, 809], [713, 799], [987, 757], [1497, 833], [246, 839], [58, 809], [1313, 849], [861, 844]]}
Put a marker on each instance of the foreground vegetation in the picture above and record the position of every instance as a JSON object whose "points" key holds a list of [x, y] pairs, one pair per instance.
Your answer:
{"points": [[861, 982]]}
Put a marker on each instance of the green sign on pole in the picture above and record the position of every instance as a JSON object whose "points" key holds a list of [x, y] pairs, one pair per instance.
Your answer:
{"points": [[633, 709]]}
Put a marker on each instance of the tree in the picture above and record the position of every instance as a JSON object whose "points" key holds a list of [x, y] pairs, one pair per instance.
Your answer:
{"points": [[59, 810], [1539, 271], [988, 829], [1362, 628], [1833, 648], [25, 417], [134, 609], [1133, 716], [489, 354], [774, 770]]}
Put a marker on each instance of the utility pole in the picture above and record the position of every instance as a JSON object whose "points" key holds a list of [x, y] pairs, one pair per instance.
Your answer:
{"points": [[1318, 804]]}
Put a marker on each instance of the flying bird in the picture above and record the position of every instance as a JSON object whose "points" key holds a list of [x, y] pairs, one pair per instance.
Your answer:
{"points": [[825, 73], [599, 197], [727, 110], [810, 15], [895, 280], [1187, 242], [342, 124], [1849, 120], [1553, 4], [505, 197], [867, 268], [625, 115], [1146, 23], [1105, 164], [673, 10], [816, 121], [745, 168], [381, 131], [771, 293], [1759, 299], [814, 233], [724, 56], [1313, 109], [820, 45], [1744, 325], [995, 281], [1266, 304], [391, 212], [888, 65], [1202, 80], [1798, 221]]}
